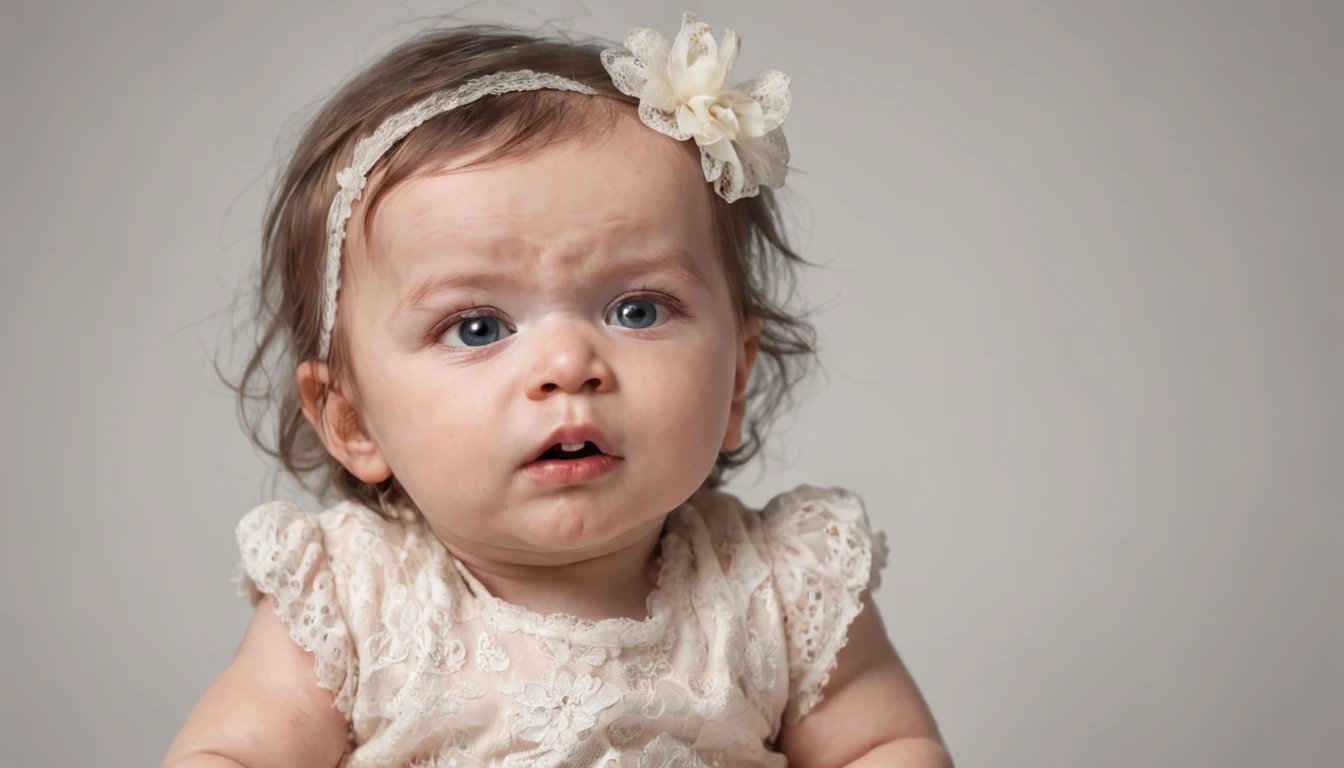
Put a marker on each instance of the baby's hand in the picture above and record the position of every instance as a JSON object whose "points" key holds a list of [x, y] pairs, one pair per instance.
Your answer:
{"points": [[264, 709], [871, 714]]}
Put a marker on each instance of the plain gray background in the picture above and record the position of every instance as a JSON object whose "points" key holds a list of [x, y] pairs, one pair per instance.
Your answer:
{"points": [[1082, 327]]}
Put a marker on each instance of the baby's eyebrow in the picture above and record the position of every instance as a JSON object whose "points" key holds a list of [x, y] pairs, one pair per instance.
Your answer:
{"points": [[482, 281], [676, 262]]}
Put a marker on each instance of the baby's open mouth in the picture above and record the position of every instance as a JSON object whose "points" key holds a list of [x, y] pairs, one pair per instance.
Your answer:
{"points": [[571, 463], [563, 451]]}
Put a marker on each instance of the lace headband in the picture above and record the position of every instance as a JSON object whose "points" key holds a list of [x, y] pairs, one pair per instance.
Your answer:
{"points": [[681, 94]]}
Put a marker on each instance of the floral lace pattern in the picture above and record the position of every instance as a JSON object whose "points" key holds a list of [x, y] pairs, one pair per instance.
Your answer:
{"points": [[431, 670]]}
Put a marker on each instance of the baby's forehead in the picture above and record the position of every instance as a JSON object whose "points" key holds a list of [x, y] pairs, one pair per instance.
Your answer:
{"points": [[626, 188]]}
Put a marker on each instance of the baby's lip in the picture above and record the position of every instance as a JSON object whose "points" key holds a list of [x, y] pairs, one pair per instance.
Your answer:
{"points": [[574, 433]]}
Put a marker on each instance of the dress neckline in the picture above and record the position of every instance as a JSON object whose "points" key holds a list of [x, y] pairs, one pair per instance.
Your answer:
{"points": [[614, 632]]}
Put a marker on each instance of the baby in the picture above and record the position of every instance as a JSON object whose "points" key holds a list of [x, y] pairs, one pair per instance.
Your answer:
{"points": [[537, 374]]}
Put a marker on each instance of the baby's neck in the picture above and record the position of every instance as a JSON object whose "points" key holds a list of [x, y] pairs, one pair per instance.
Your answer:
{"points": [[615, 583]]}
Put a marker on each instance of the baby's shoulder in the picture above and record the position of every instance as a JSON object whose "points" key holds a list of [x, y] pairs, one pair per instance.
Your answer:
{"points": [[333, 575], [308, 564], [805, 526], [349, 549], [342, 532], [805, 507]]}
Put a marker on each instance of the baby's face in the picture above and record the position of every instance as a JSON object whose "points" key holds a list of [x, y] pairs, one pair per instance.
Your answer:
{"points": [[593, 297]]}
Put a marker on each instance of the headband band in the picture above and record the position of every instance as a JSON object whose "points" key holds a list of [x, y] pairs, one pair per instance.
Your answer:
{"points": [[681, 95]]}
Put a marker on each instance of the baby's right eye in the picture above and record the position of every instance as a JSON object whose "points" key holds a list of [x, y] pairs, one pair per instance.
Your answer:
{"points": [[477, 331]]}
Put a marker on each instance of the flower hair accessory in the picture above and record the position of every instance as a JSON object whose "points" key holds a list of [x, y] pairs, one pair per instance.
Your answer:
{"points": [[681, 95]]}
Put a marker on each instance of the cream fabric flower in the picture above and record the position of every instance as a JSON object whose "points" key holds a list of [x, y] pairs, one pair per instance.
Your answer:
{"points": [[681, 94], [556, 712]]}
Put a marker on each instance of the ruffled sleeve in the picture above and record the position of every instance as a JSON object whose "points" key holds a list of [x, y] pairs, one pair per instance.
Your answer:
{"points": [[284, 555], [823, 557]]}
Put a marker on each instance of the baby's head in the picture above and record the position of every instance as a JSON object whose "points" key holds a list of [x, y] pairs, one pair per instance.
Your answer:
{"points": [[529, 262]]}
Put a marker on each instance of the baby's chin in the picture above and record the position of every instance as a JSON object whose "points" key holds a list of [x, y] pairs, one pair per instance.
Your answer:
{"points": [[581, 523], [556, 526]]}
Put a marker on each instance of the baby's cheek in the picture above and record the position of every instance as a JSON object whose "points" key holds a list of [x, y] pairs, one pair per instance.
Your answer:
{"points": [[690, 402], [444, 436]]}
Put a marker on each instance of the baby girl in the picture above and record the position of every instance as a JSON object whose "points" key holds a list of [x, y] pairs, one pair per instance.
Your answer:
{"points": [[557, 267]]}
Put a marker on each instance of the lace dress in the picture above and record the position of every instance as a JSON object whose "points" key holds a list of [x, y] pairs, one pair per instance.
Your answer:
{"points": [[431, 670]]}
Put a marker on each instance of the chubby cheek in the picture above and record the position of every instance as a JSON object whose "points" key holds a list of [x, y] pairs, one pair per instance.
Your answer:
{"points": [[682, 408], [439, 435]]}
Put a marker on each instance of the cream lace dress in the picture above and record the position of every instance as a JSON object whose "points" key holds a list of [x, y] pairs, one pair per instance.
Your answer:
{"points": [[430, 669]]}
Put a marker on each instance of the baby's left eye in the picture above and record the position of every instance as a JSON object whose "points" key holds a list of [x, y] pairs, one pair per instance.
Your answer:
{"points": [[637, 313]]}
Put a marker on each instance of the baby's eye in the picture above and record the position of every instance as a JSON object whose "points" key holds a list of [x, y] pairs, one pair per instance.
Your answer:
{"points": [[637, 313], [476, 332]]}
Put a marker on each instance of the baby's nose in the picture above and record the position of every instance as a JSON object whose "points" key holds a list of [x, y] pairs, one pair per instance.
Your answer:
{"points": [[566, 358]]}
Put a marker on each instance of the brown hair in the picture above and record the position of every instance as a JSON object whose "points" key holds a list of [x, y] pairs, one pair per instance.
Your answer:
{"points": [[757, 260]]}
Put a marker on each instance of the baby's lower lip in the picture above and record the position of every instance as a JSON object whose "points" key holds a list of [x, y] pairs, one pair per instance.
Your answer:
{"points": [[567, 471]]}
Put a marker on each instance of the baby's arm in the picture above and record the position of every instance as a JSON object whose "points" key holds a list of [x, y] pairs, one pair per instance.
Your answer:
{"points": [[871, 715], [264, 709]]}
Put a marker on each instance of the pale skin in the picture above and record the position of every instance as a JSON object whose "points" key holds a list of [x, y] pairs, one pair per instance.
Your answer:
{"points": [[554, 246]]}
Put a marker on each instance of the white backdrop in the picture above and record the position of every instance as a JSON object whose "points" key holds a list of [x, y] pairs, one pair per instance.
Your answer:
{"points": [[1081, 319]]}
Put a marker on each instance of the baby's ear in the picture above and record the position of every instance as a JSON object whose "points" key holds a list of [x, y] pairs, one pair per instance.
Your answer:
{"points": [[746, 358], [337, 423]]}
